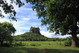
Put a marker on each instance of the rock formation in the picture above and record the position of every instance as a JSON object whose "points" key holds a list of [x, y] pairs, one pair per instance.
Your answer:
{"points": [[35, 30]]}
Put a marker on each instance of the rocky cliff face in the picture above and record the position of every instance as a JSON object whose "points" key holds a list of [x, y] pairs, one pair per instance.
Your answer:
{"points": [[35, 30]]}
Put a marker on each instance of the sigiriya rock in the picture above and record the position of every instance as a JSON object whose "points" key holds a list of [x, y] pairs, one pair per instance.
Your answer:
{"points": [[35, 30]]}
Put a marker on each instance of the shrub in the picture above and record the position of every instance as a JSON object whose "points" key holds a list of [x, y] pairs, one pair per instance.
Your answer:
{"points": [[49, 44], [68, 42], [18, 44], [35, 44], [6, 45]]}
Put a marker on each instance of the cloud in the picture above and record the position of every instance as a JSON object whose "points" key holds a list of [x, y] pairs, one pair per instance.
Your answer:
{"points": [[26, 19], [53, 35], [46, 33], [4, 20]]}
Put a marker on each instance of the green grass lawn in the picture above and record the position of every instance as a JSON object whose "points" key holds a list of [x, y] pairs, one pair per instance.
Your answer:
{"points": [[40, 47]]}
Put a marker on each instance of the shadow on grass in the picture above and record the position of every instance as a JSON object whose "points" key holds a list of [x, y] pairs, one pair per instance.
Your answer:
{"points": [[34, 50]]}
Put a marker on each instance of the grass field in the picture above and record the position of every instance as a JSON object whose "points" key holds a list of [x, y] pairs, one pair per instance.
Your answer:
{"points": [[40, 47]]}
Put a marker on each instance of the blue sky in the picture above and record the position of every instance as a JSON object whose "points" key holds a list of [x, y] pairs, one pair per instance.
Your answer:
{"points": [[26, 18]]}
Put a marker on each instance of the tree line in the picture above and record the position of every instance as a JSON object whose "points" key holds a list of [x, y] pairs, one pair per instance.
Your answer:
{"points": [[28, 36]]}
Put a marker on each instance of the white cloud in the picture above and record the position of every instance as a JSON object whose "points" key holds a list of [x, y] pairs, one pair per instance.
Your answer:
{"points": [[9, 2], [46, 33], [53, 35], [21, 9], [25, 18]]}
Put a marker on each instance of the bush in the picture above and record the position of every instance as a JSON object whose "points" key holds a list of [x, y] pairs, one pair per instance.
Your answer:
{"points": [[35, 44], [6, 45], [18, 44], [68, 42]]}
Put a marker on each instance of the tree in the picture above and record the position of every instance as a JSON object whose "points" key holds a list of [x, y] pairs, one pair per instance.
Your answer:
{"points": [[9, 8], [61, 16], [6, 30]]}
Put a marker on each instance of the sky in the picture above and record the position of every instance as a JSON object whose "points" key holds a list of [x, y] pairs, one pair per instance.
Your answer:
{"points": [[27, 18]]}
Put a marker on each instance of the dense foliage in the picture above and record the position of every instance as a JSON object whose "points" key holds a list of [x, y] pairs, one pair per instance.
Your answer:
{"points": [[6, 30]]}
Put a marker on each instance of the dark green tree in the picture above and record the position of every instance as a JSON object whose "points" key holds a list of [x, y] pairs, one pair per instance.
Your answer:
{"points": [[9, 8], [61, 16], [6, 30]]}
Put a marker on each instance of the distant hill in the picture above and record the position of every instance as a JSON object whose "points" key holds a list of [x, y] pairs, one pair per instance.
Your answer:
{"points": [[29, 36], [34, 35]]}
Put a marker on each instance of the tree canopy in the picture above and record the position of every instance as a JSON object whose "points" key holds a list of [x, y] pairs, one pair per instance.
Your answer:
{"points": [[9, 8], [6, 30], [61, 16]]}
